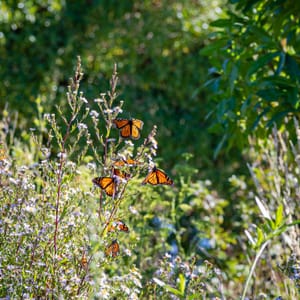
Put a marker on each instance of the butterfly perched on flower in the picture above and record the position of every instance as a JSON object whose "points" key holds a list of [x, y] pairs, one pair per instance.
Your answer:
{"points": [[124, 162], [121, 174], [108, 184], [117, 225], [157, 176], [129, 128], [113, 249]]}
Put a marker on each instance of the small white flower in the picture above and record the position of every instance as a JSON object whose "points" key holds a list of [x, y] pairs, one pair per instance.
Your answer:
{"points": [[14, 181], [91, 166], [82, 126], [30, 209], [62, 155], [98, 100], [127, 252], [83, 99], [94, 114], [118, 110]]}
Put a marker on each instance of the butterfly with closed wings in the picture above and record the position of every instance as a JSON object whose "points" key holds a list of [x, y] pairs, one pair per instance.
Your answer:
{"points": [[113, 249], [117, 225]]}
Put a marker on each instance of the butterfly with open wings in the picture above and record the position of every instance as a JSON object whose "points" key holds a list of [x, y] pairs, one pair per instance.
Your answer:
{"points": [[129, 128], [156, 176]]}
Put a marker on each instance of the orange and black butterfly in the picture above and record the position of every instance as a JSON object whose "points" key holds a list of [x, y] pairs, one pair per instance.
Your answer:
{"points": [[84, 262], [121, 174], [129, 128], [113, 249], [117, 225], [108, 184], [157, 176], [123, 162]]}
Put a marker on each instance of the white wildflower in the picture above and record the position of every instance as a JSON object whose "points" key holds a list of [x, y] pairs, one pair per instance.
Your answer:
{"points": [[82, 126], [94, 114]]}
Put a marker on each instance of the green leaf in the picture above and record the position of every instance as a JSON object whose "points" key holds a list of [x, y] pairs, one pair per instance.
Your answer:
{"points": [[262, 61], [220, 145], [279, 215], [260, 237], [221, 23], [185, 207], [232, 78], [214, 47], [270, 94], [181, 283]]}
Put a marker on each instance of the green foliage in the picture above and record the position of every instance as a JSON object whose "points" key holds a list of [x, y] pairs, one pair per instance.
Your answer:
{"points": [[218, 232], [255, 76], [156, 45]]}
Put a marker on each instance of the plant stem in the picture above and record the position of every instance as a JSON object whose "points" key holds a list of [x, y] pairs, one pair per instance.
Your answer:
{"points": [[262, 248]]}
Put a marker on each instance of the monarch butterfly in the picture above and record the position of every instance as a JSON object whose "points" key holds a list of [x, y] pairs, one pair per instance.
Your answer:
{"points": [[108, 184], [84, 261], [113, 249], [120, 174], [117, 225], [157, 176], [123, 162], [129, 128]]}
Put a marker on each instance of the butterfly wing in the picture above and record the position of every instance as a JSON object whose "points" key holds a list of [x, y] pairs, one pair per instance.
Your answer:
{"points": [[157, 176], [107, 184], [150, 178], [124, 126], [122, 226], [129, 161], [120, 123], [113, 249], [121, 174], [136, 126], [137, 123], [129, 128], [163, 178], [117, 225]]}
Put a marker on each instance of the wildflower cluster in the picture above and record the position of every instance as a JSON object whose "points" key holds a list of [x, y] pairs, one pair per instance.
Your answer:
{"points": [[55, 242]]}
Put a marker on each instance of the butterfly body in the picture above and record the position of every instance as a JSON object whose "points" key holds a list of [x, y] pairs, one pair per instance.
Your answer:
{"points": [[129, 128], [156, 177]]}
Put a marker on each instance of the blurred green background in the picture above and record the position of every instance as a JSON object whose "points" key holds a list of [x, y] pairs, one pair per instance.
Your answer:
{"points": [[156, 45], [207, 73]]}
